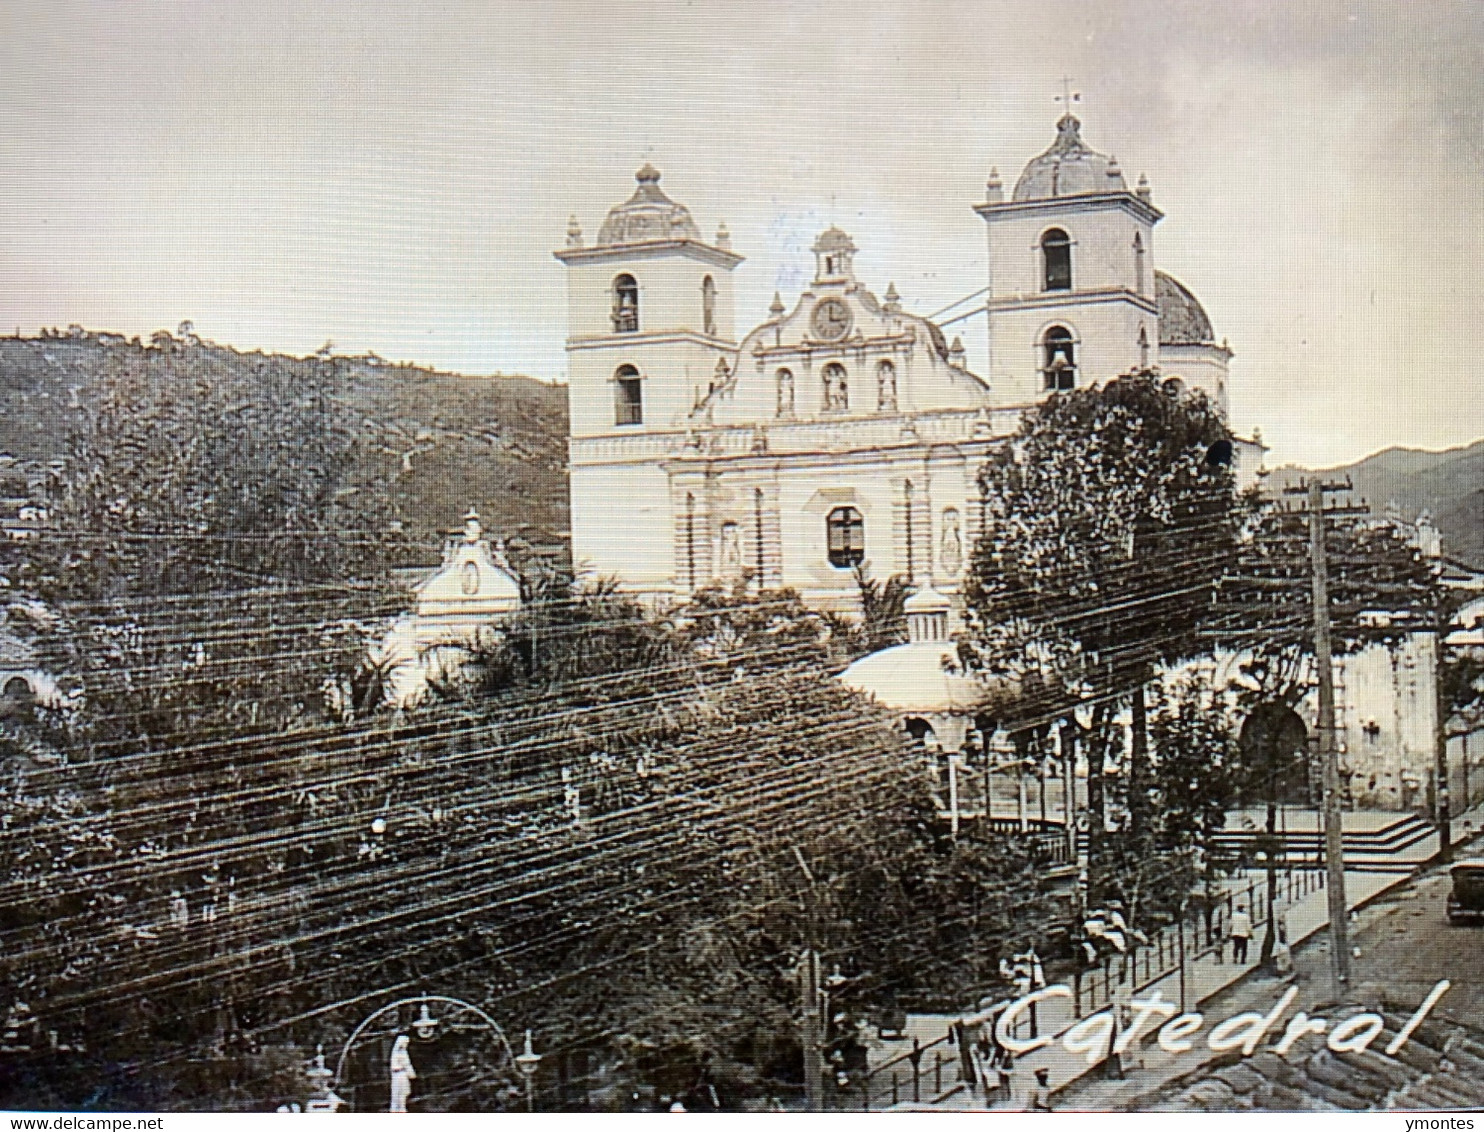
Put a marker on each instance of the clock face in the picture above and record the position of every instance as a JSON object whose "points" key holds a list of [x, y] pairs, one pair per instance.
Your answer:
{"points": [[831, 319]]}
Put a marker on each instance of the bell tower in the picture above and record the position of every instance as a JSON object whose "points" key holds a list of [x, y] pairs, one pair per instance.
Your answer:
{"points": [[649, 321], [650, 311], [1072, 298]]}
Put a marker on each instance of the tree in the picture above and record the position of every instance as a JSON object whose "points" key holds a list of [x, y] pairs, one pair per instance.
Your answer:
{"points": [[883, 617], [1381, 590], [199, 481], [1109, 519], [1272, 738]]}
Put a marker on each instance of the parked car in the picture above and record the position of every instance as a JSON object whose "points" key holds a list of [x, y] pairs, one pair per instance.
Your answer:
{"points": [[1466, 901]]}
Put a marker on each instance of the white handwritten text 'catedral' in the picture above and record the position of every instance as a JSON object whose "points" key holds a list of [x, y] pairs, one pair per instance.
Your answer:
{"points": [[1093, 1035]]}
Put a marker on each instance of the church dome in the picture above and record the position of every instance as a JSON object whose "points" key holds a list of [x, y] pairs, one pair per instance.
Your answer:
{"points": [[1069, 169], [647, 216], [919, 677], [1182, 319]]}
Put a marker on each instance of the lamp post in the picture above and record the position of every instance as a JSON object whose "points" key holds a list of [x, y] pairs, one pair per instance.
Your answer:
{"points": [[322, 1098], [1000, 756], [528, 1061], [455, 1018]]}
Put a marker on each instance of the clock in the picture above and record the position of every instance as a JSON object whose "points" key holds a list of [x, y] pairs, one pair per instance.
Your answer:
{"points": [[831, 319]]}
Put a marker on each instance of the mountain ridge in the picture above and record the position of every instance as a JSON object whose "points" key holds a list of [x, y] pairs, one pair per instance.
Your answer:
{"points": [[1448, 483], [451, 441]]}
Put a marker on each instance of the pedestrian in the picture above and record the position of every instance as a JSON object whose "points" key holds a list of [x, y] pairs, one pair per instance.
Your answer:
{"points": [[1005, 1068], [1120, 1010], [1040, 1099], [1282, 957], [984, 1060], [1241, 933]]}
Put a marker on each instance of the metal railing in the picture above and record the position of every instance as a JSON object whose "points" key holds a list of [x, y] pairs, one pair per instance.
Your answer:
{"points": [[919, 1074], [915, 1075], [1148, 963]]}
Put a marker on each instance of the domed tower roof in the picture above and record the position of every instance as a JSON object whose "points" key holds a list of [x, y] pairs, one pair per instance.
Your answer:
{"points": [[648, 216], [834, 239], [834, 256], [1069, 169], [1182, 319]]}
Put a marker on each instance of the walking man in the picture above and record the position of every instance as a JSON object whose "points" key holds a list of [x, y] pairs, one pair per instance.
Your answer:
{"points": [[1040, 1099], [1241, 933]]}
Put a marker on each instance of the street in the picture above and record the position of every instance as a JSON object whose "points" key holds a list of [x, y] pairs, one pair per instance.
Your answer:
{"points": [[1406, 945]]}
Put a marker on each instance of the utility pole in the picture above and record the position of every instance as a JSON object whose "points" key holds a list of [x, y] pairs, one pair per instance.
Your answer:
{"points": [[1069, 785], [811, 1029], [953, 761], [813, 1067], [1440, 749], [1334, 841]]}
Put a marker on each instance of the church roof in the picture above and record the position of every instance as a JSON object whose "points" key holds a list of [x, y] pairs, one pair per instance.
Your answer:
{"points": [[1182, 319], [834, 239], [648, 216], [1069, 168], [927, 600], [916, 677]]}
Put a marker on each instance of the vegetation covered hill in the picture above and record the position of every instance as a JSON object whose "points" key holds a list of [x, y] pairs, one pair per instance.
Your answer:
{"points": [[1450, 484], [443, 441]]}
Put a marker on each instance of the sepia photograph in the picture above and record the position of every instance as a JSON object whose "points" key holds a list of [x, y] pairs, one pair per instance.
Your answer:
{"points": [[771, 558]]}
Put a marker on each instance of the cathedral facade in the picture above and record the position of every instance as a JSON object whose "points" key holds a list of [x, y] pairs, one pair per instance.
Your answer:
{"points": [[844, 433]]}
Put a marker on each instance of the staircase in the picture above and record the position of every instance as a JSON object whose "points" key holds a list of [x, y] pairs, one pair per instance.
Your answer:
{"points": [[1395, 848]]}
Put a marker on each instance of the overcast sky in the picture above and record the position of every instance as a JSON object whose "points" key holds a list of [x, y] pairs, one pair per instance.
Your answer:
{"points": [[394, 176]]}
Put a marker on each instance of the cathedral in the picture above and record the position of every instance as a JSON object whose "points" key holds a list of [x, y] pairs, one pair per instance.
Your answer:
{"points": [[844, 432]]}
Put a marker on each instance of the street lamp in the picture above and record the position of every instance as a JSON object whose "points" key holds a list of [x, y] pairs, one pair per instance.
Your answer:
{"points": [[457, 1018], [1000, 754], [321, 1097], [426, 1025], [528, 1061]]}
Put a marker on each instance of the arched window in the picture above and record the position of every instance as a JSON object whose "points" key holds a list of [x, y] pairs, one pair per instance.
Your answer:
{"points": [[1139, 262], [785, 393], [708, 306], [886, 387], [836, 391], [628, 396], [1056, 257], [625, 305], [951, 552], [846, 533], [1061, 359]]}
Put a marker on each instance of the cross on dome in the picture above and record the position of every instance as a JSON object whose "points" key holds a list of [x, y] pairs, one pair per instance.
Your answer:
{"points": [[1067, 95]]}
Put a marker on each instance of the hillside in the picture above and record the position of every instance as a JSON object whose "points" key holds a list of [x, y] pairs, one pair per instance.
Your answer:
{"points": [[447, 441], [1450, 484]]}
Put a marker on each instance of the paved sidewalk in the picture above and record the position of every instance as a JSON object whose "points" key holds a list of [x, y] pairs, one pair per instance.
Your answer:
{"points": [[1205, 978]]}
